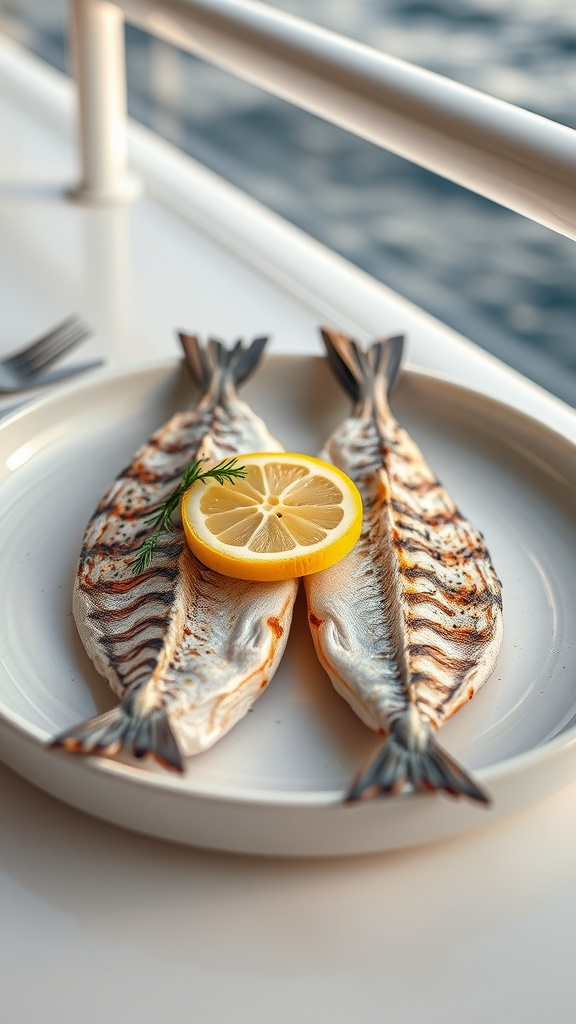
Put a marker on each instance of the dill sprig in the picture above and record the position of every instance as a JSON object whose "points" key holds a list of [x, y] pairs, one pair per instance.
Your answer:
{"points": [[160, 521]]}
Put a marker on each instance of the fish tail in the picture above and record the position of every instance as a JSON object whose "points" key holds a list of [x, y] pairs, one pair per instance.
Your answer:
{"points": [[126, 729], [362, 372], [215, 363], [420, 761]]}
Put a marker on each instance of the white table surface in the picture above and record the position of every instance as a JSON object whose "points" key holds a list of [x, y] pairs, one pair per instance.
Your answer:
{"points": [[98, 924]]}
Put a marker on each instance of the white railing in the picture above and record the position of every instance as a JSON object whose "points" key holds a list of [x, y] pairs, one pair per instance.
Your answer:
{"points": [[514, 157]]}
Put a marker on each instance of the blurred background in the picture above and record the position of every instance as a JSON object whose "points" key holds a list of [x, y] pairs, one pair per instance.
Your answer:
{"points": [[504, 282]]}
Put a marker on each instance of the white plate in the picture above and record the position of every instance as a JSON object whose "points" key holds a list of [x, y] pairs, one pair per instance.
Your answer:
{"points": [[273, 785]]}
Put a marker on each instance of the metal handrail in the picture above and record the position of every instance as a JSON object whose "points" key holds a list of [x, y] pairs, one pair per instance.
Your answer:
{"points": [[516, 158]]}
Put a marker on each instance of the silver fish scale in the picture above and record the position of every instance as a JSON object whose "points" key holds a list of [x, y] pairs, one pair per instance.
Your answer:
{"points": [[393, 632], [363, 628], [453, 643], [179, 636], [408, 626], [234, 428]]}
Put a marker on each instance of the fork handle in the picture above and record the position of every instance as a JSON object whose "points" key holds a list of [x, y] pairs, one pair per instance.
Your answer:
{"points": [[66, 371]]}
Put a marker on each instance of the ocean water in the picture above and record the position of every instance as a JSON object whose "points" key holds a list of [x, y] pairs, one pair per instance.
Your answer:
{"points": [[504, 282]]}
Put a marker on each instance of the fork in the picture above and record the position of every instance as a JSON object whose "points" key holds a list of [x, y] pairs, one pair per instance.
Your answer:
{"points": [[26, 368]]}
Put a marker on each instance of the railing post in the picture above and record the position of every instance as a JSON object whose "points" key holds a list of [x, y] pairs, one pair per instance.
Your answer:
{"points": [[97, 42]]}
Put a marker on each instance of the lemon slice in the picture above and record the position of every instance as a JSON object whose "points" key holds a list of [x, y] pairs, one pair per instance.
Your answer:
{"points": [[290, 516]]}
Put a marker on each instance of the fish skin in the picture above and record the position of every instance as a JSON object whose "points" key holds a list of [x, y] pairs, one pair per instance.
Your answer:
{"points": [[409, 624], [187, 650]]}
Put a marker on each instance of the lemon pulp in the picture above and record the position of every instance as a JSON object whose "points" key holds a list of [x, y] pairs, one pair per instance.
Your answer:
{"points": [[292, 515]]}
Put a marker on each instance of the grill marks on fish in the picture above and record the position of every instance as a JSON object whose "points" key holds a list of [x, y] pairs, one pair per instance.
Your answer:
{"points": [[454, 554], [186, 650], [409, 624]]}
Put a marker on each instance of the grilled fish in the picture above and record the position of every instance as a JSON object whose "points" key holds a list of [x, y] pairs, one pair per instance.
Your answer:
{"points": [[409, 624], [187, 650]]}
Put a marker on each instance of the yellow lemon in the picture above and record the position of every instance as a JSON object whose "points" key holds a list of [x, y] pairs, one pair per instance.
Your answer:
{"points": [[290, 516]]}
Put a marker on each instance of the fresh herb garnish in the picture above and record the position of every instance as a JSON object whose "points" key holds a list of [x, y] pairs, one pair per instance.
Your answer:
{"points": [[161, 520]]}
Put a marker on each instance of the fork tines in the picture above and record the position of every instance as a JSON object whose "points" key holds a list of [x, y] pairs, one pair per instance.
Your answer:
{"points": [[51, 346]]}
